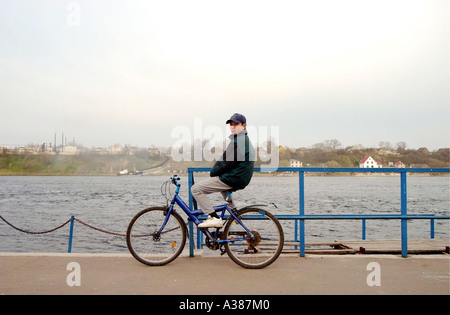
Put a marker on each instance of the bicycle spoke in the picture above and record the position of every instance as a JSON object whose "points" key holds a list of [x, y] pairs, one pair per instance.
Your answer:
{"points": [[151, 247], [260, 250]]}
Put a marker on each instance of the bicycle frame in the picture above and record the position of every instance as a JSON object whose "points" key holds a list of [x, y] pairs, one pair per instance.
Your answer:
{"points": [[193, 216]]}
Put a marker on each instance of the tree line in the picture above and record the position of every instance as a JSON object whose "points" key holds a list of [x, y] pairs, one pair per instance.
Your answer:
{"points": [[330, 153]]}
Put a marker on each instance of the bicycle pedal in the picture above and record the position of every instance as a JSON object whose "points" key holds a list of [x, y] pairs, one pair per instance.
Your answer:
{"points": [[222, 250]]}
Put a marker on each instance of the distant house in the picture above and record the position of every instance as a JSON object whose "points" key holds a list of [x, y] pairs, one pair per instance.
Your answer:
{"points": [[369, 162], [116, 149], [295, 163], [69, 150], [400, 164]]}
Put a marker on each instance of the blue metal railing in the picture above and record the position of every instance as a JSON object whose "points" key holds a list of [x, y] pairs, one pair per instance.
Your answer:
{"points": [[302, 217]]}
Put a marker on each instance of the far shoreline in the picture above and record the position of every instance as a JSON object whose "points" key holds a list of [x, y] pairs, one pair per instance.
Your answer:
{"points": [[259, 174]]}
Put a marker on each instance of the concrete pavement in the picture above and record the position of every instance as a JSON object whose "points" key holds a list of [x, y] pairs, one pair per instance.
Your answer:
{"points": [[122, 274]]}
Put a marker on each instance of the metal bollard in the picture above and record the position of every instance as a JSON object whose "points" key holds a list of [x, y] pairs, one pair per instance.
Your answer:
{"points": [[71, 234]]}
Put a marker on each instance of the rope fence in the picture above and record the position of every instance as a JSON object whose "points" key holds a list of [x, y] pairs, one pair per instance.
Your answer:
{"points": [[71, 221]]}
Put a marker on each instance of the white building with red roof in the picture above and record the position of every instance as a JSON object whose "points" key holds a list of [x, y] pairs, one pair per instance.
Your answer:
{"points": [[369, 162]]}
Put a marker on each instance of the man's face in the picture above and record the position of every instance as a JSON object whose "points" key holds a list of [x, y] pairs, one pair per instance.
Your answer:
{"points": [[237, 128]]}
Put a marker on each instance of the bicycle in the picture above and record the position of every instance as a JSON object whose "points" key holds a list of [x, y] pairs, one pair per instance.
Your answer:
{"points": [[252, 237]]}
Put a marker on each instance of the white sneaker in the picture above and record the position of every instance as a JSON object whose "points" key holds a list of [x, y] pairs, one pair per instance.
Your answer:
{"points": [[211, 223]]}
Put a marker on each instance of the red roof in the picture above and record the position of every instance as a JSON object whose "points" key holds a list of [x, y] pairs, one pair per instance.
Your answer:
{"points": [[365, 159]]}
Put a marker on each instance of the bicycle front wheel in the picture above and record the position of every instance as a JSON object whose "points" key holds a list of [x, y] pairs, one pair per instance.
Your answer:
{"points": [[260, 250], [153, 248]]}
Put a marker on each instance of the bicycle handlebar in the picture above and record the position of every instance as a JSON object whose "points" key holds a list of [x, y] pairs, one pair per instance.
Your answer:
{"points": [[174, 180]]}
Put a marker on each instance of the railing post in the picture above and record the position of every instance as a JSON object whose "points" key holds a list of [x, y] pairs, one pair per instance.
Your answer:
{"points": [[301, 176], [191, 238], [69, 250], [190, 223], [432, 228], [404, 221], [364, 229]]}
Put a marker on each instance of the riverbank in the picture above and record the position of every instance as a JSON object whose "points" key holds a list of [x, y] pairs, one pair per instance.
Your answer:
{"points": [[111, 164], [83, 164]]}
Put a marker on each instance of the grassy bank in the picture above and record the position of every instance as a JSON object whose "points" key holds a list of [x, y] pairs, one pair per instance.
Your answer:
{"points": [[83, 164]]}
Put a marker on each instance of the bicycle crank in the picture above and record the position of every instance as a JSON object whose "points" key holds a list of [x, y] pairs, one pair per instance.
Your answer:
{"points": [[211, 244]]}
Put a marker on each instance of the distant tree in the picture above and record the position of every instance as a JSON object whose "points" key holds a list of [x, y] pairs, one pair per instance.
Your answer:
{"points": [[333, 144], [384, 145], [319, 146], [401, 146], [423, 151], [284, 154]]}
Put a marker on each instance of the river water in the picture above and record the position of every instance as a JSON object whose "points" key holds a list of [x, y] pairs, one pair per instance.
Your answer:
{"points": [[40, 203]]}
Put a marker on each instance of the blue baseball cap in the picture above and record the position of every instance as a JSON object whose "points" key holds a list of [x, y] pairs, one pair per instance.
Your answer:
{"points": [[237, 118]]}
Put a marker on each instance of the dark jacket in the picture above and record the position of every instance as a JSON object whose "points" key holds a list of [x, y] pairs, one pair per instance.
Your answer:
{"points": [[235, 167]]}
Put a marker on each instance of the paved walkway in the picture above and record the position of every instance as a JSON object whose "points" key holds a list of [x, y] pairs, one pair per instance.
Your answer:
{"points": [[122, 274]]}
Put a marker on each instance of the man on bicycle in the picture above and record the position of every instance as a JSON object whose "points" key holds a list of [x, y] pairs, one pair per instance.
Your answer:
{"points": [[233, 171]]}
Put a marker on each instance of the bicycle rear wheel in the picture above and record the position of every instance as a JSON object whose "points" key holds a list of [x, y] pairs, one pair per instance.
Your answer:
{"points": [[261, 250], [151, 248]]}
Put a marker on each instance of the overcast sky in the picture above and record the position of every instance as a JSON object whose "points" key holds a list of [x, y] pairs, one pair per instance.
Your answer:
{"points": [[129, 72]]}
